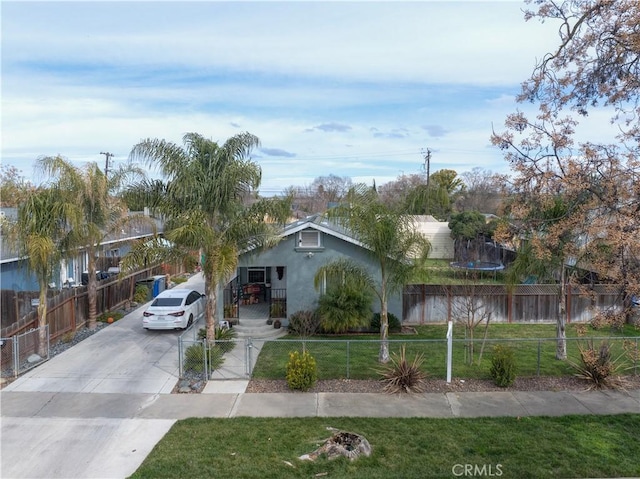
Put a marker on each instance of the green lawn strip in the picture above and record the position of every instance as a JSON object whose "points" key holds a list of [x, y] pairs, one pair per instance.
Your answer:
{"points": [[356, 356], [528, 447]]}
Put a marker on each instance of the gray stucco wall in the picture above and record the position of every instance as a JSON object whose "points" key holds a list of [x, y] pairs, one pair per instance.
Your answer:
{"points": [[300, 269]]}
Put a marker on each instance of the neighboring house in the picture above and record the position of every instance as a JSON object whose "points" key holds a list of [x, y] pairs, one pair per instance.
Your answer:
{"points": [[438, 234], [285, 273], [15, 274]]}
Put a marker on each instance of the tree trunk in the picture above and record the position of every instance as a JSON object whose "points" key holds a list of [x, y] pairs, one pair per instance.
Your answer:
{"points": [[484, 339], [383, 356], [626, 297], [92, 289], [42, 321], [561, 334], [211, 308], [471, 349]]}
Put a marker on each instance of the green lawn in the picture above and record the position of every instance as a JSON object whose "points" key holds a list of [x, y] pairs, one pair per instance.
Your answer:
{"points": [[528, 447], [355, 356]]}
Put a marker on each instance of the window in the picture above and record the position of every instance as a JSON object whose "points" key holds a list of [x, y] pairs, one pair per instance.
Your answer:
{"points": [[309, 239], [193, 297], [256, 275], [167, 302]]}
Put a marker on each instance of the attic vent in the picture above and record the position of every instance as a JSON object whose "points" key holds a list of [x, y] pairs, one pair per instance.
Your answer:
{"points": [[309, 239]]}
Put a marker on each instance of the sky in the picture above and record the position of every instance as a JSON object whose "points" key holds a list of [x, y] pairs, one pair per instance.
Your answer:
{"points": [[358, 89]]}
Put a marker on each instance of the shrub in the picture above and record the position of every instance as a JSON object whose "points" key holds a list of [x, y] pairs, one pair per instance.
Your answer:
{"points": [[301, 371], [503, 366], [225, 336], [179, 279], [345, 308], [597, 365], [116, 315], [304, 323], [68, 337], [402, 376], [194, 357], [141, 294], [394, 323]]}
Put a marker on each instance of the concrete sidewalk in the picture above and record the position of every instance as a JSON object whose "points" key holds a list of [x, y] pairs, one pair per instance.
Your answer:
{"points": [[227, 404], [113, 433]]}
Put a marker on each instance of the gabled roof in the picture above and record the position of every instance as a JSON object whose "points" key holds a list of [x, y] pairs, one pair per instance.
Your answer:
{"points": [[320, 223]]}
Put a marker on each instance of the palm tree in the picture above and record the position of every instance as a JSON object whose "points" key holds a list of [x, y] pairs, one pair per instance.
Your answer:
{"points": [[99, 214], [40, 235], [346, 302], [392, 241], [209, 208]]}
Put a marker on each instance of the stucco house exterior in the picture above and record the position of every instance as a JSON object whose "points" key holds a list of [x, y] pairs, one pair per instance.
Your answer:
{"points": [[285, 273], [281, 279]]}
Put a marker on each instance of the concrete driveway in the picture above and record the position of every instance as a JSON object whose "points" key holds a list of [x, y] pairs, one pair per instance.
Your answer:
{"points": [[71, 442]]}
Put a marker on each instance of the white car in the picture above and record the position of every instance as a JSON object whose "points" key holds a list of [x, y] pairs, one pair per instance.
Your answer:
{"points": [[174, 309]]}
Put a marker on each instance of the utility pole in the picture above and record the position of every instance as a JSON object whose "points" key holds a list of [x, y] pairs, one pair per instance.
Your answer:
{"points": [[107, 155], [427, 166]]}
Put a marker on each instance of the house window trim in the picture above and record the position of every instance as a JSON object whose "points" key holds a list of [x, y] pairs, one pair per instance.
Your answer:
{"points": [[309, 247]]}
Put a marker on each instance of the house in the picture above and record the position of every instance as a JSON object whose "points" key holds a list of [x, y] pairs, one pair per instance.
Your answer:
{"points": [[282, 277], [15, 274]]}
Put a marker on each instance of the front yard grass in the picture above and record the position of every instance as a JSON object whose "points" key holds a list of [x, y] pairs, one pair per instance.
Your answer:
{"points": [[527, 447], [356, 356]]}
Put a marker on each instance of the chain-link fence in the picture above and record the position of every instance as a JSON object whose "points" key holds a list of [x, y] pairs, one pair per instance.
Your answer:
{"points": [[359, 359], [24, 351], [225, 359]]}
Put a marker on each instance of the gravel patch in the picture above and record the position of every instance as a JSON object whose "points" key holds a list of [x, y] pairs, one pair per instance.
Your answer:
{"points": [[543, 383], [80, 335]]}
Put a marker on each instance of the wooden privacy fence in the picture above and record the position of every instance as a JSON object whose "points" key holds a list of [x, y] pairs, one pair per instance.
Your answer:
{"points": [[68, 309], [426, 303]]}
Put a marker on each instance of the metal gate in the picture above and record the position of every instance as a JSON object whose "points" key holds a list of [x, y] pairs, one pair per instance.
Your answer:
{"points": [[224, 360]]}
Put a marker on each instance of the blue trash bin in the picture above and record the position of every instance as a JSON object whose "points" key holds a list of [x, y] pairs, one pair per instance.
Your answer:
{"points": [[159, 285]]}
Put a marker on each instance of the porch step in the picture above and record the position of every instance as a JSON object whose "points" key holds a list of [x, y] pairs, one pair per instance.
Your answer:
{"points": [[257, 329]]}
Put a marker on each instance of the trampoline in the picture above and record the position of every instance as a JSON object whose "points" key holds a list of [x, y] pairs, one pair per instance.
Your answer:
{"points": [[477, 265]]}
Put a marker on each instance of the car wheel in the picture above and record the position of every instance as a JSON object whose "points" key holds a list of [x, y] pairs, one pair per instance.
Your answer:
{"points": [[190, 322]]}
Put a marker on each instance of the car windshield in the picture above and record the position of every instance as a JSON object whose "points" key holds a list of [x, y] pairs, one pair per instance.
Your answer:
{"points": [[167, 302]]}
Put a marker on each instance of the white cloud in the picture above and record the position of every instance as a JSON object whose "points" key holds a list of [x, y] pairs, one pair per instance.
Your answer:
{"points": [[355, 89]]}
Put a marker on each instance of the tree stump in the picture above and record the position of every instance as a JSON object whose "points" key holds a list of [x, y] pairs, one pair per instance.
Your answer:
{"points": [[340, 444]]}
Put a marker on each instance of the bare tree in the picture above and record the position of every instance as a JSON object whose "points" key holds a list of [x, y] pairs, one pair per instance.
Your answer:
{"points": [[395, 193], [484, 191], [469, 309], [324, 192], [595, 67]]}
